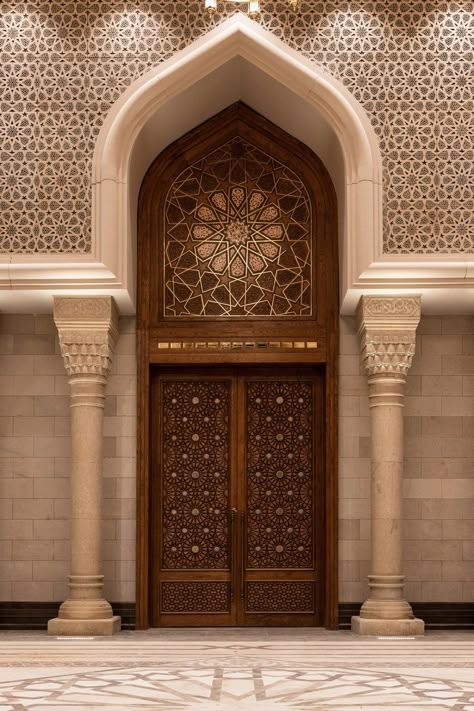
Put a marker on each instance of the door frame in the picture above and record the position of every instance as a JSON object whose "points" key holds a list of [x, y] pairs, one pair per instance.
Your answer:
{"points": [[323, 329], [329, 479], [237, 575]]}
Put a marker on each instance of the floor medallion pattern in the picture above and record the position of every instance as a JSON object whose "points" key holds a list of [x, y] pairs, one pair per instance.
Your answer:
{"points": [[262, 670]]}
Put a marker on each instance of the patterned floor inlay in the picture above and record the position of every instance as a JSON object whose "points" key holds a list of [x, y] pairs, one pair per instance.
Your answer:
{"points": [[311, 670]]}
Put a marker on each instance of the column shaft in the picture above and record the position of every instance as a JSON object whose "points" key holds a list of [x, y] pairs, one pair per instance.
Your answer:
{"points": [[87, 331], [87, 403], [386, 415], [387, 328]]}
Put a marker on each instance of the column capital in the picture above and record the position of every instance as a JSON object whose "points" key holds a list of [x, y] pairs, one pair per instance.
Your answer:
{"points": [[387, 332], [88, 328]]}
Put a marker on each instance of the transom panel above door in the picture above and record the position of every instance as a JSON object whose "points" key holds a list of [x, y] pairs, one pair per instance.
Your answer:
{"points": [[237, 534]]}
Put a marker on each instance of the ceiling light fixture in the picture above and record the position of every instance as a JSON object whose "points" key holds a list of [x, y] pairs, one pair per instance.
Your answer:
{"points": [[253, 7]]}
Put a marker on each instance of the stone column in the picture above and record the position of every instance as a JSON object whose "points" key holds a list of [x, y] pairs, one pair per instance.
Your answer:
{"points": [[87, 332], [387, 328]]}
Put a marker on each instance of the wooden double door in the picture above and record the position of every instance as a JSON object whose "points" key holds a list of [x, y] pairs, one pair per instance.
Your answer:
{"points": [[237, 526]]}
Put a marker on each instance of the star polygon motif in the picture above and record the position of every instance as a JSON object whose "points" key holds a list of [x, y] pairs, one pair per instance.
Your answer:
{"points": [[237, 237]]}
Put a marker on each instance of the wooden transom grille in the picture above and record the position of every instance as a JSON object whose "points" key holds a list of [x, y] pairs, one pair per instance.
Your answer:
{"points": [[237, 237]]}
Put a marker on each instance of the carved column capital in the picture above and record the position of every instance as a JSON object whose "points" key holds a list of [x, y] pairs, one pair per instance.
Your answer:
{"points": [[387, 332], [88, 328]]}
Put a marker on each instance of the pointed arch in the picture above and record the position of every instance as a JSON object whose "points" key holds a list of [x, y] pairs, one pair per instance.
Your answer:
{"points": [[237, 60]]}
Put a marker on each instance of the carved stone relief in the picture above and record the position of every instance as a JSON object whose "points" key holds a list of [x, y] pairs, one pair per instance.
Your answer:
{"points": [[64, 64], [387, 330], [87, 329]]}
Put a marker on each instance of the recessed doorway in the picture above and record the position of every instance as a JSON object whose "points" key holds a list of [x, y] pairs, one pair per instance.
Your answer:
{"points": [[237, 344]]}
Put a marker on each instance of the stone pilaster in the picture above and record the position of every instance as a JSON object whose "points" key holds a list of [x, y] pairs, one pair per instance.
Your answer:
{"points": [[87, 329], [387, 330]]}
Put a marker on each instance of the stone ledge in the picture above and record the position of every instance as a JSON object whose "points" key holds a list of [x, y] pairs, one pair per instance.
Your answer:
{"points": [[98, 628], [393, 628]]}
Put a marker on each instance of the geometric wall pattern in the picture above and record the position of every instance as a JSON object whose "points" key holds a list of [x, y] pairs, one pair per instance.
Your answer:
{"points": [[237, 233], [408, 62]]}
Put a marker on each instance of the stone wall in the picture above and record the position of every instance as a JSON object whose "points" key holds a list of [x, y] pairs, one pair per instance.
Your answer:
{"points": [[34, 464], [438, 471], [63, 65]]}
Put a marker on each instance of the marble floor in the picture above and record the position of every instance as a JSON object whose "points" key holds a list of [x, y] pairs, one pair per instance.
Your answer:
{"points": [[236, 670]]}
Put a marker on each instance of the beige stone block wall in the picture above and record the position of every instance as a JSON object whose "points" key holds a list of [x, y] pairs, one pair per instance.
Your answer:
{"points": [[354, 468], [34, 464], [438, 470]]}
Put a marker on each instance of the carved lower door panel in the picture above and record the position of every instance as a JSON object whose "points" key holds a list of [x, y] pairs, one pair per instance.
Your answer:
{"points": [[236, 524]]}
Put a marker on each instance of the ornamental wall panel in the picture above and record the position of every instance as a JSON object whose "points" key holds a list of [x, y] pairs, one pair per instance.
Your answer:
{"points": [[64, 65]]}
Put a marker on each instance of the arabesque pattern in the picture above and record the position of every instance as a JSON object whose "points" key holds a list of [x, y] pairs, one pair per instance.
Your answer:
{"points": [[280, 474], [195, 474], [271, 596], [408, 62], [194, 597], [237, 237]]}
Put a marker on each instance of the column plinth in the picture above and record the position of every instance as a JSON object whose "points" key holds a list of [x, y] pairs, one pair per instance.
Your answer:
{"points": [[387, 328], [87, 332]]}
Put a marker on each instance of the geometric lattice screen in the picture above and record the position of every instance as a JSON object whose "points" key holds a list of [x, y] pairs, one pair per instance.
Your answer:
{"points": [[408, 63], [237, 237]]}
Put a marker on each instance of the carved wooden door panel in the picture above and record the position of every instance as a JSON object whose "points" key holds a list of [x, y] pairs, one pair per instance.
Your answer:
{"points": [[279, 578], [237, 526], [193, 459]]}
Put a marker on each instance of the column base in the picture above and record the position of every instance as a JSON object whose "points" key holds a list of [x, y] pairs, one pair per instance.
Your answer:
{"points": [[59, 627], [388, 628]]}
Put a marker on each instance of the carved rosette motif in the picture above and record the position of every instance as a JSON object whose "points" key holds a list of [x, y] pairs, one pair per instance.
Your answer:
{"points": [[237, 237], [195, 457], [279, 465]]}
